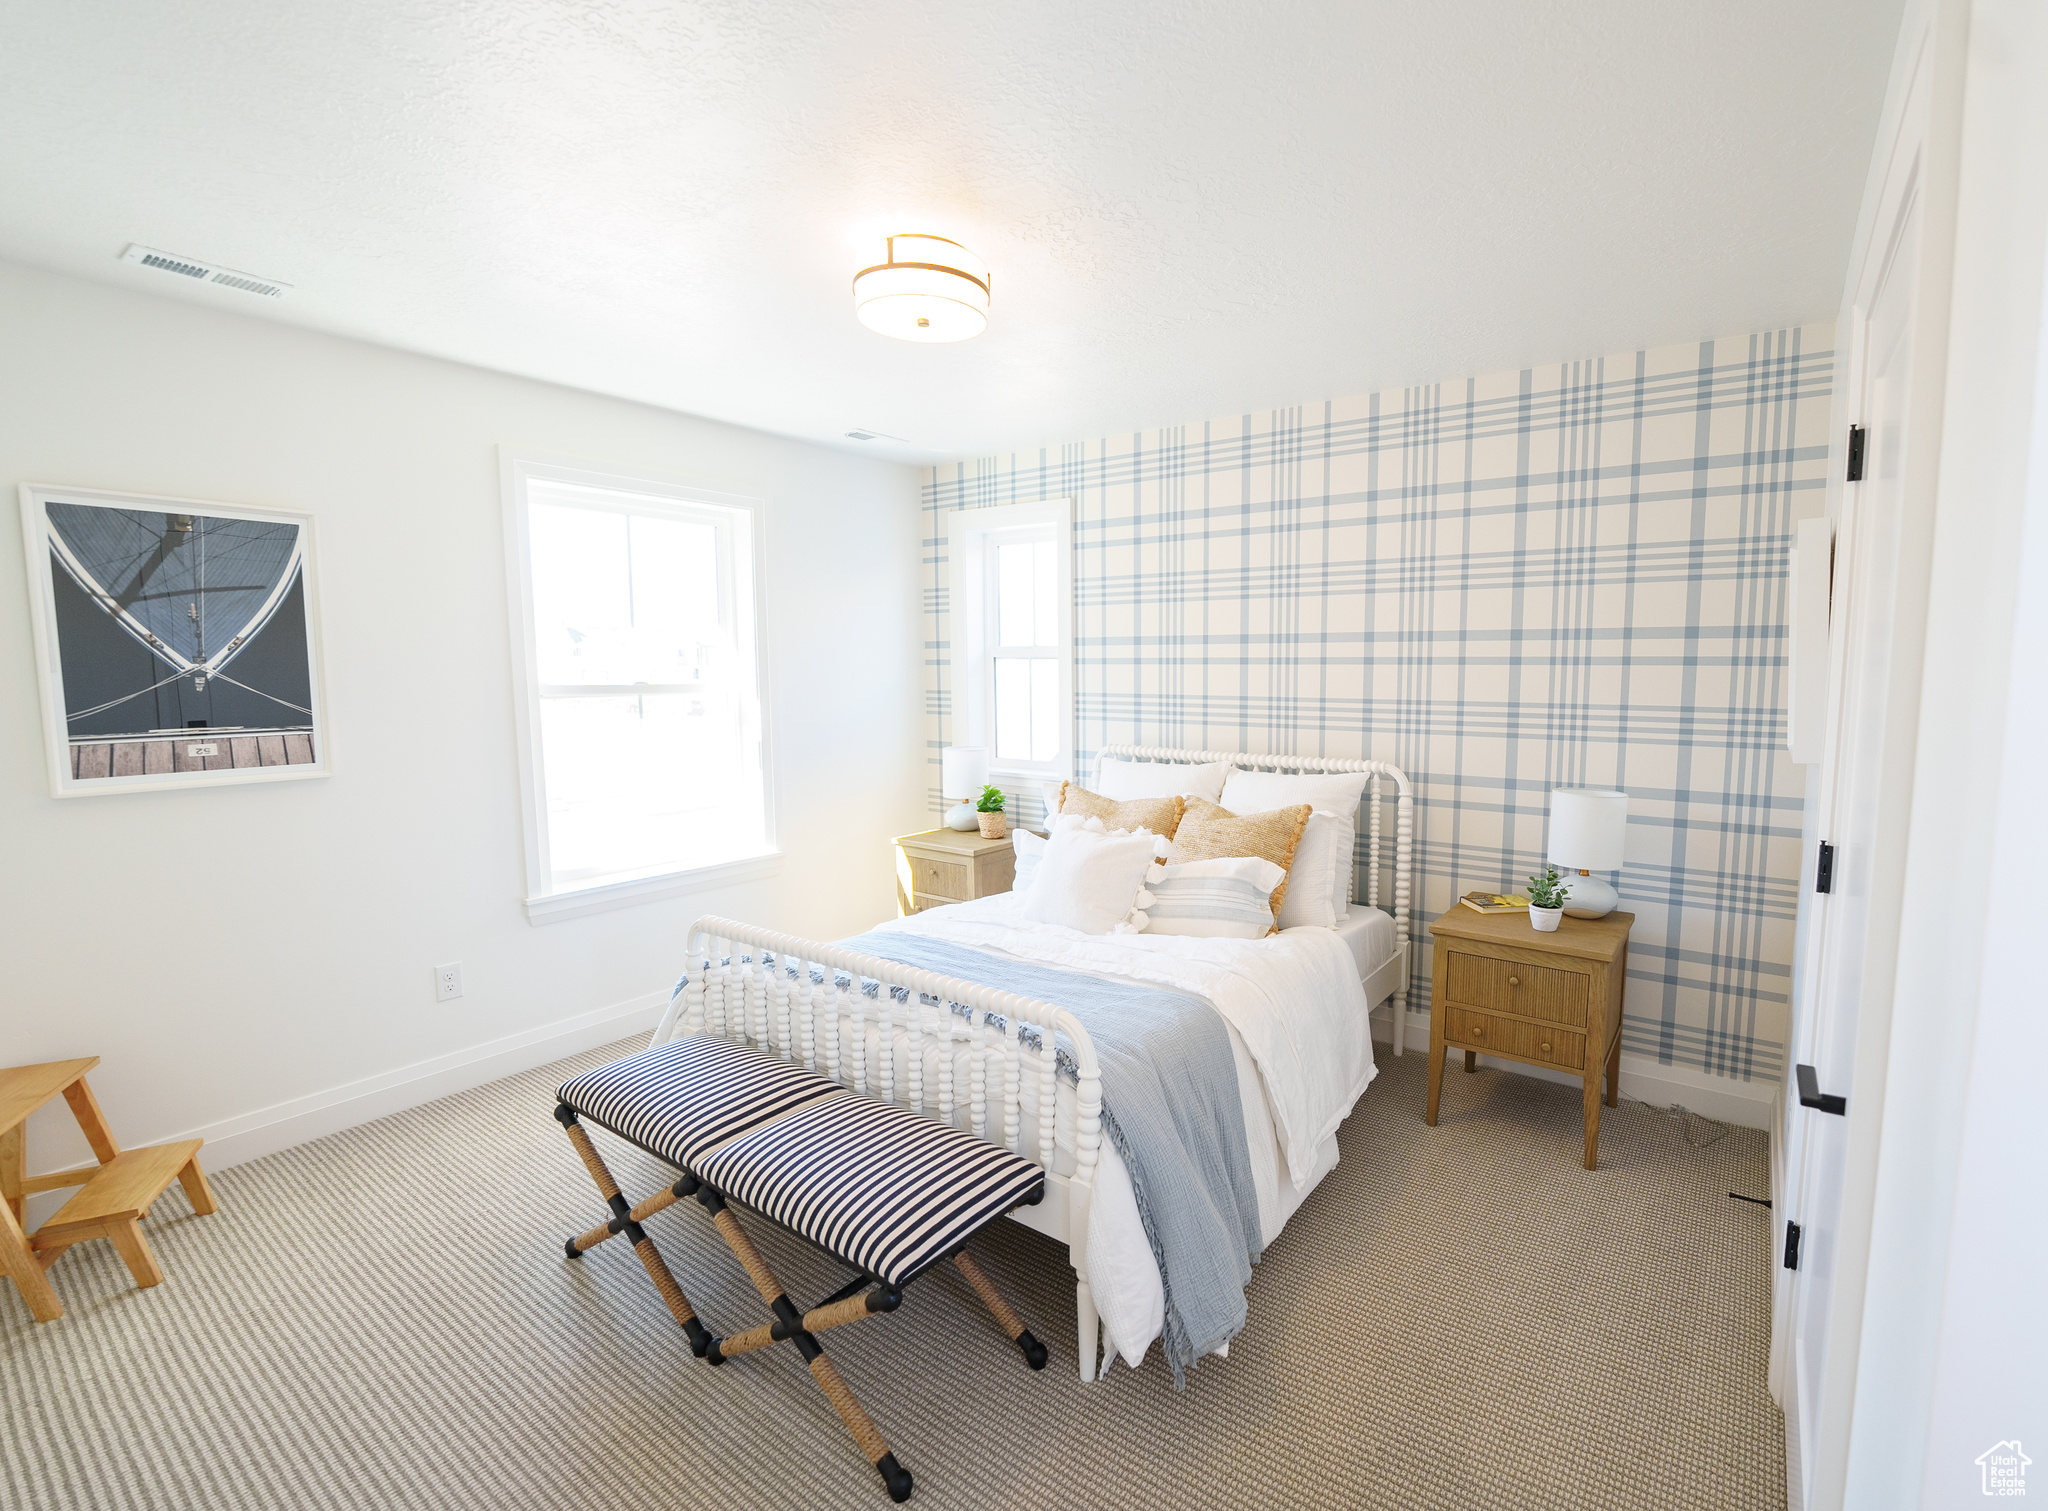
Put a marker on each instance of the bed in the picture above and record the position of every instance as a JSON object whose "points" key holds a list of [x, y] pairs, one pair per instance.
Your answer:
{"points": [[1023, 1071]]}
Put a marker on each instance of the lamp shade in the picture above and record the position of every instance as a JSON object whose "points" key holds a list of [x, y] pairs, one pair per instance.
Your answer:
{"points": [[1588, 828], [930, 289], [963, 771]]}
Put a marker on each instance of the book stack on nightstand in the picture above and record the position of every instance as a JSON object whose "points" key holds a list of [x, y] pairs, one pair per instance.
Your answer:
{"points": [[950, 865]]}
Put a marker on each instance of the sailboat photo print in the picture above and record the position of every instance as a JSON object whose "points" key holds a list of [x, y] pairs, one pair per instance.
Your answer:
{"points": [[175, 641]]}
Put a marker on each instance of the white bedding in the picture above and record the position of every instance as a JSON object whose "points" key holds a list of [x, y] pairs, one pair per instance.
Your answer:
{"points": [[1299, 1032], [1369, 935]]}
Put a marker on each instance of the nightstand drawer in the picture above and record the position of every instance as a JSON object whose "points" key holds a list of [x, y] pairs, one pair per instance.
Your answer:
{"points": [[1510, 1036], [1509, 986], [950, 865], [952, 880]]}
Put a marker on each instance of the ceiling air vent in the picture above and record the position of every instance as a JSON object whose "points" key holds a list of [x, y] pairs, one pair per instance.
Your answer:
{"points": [[205, 272]]}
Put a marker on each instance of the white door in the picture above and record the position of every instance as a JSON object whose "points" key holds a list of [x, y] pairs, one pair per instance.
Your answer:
{"points": [[1853, 793], [1876, 635]]}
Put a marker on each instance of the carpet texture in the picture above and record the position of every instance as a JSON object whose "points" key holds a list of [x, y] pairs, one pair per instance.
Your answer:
{"points": [[1458, 1317]]}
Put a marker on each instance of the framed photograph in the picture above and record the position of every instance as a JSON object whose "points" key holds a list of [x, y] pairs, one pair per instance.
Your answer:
{"points": [[177, 642]]}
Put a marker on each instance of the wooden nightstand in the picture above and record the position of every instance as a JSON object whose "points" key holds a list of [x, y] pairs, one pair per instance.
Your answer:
{"points": [[1543, 999], [950, 865]]}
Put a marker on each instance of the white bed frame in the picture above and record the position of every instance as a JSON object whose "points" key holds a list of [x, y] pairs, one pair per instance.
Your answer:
{"points": [[792, 1008]]}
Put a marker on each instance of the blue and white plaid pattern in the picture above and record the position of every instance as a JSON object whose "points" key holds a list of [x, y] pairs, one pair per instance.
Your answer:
{"points": [[1568, 576]]}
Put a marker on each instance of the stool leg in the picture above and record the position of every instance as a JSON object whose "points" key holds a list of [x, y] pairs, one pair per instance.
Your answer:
{"points": [[19, 1261], [193, 1179], [128, 1243], [1005, 1315], [858, 1422], [13, 1171], [626, 1220]]}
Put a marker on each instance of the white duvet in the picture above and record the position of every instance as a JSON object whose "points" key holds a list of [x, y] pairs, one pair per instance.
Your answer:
{"points": [[1301, 1037]]}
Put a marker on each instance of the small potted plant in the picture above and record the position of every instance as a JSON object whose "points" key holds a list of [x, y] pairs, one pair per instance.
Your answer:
{"points": [[1546, 899], [989, 807]]}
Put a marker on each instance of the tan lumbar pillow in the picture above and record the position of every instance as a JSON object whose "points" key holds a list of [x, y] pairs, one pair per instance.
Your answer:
{"points": [[1208, 832], [1159, 815]]}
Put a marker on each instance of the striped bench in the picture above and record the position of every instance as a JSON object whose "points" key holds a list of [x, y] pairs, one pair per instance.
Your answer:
{"points": [[885, 1191]]}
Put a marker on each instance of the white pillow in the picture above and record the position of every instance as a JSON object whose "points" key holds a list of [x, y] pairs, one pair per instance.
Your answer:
{"points": [[1215, 899], [1314, 892], [1121, 781], [1030, 850], [1092, 878], [1030, 847], [1335, 793]]}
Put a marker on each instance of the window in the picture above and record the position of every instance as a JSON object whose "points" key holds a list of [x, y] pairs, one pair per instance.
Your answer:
{"points": [[1024, 645], [643, 750], [1013, 635]]}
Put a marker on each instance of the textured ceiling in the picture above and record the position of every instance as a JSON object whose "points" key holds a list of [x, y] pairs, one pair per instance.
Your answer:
{"points": [[1190, 210]]}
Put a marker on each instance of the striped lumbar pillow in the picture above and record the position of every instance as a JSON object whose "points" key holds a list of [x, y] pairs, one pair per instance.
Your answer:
{"points": [[1231, 898], [1208, 832]]}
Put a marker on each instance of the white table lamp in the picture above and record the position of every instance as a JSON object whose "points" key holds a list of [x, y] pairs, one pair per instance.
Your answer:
{"points": [[963, 772], [1588, 833]]}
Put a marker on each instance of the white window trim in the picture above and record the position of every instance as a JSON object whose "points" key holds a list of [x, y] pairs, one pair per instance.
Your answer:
{"points": [[967, 533], [544, 904]]}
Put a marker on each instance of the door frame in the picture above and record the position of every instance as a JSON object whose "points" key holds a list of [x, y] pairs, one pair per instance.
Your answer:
{"points": [[1914, 164]]}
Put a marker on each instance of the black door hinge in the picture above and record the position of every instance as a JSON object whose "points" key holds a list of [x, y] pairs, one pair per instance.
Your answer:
{"points": [[1810, 1094], [1855, 472], [1824, 869], [1791, 1245]]}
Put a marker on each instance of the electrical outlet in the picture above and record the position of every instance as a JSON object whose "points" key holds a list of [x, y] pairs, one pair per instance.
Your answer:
{"points": [[447, 982]]}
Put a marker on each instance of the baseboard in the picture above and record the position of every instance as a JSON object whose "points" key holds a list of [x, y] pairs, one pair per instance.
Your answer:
{"points": [[1747, 1104], [236, 1140], [269, 1129]]}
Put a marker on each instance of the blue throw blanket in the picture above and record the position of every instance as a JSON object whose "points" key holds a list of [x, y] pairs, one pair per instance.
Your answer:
{"points": [[1170, 1106]]}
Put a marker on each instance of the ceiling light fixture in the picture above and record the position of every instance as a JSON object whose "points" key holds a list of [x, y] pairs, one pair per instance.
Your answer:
{"points": [[930, 289]]}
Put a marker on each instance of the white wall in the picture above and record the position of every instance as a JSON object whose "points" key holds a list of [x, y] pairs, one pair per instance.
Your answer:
{"points": [[240, 957]]}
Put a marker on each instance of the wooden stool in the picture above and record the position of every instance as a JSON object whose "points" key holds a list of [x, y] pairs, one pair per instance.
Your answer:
{"points": [[116, 1193]]}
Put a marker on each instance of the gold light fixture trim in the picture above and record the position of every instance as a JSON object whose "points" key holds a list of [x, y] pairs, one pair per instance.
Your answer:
{"points": [[931, 289]]}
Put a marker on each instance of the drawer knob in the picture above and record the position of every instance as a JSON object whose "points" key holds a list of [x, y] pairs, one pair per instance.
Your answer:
{"points": [[1546, 1044], [1478, 1032], [1514, 981]]}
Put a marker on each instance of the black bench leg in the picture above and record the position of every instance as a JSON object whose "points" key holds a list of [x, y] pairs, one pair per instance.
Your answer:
{"points": [[790, 1324], [627, 1220], [1005, 1315]]}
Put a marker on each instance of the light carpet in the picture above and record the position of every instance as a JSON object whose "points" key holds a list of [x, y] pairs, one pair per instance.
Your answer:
{"points": [[1459, 1316]]}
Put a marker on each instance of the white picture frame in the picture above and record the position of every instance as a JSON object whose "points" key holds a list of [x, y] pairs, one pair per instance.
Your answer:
{"points": [[158, 645]]}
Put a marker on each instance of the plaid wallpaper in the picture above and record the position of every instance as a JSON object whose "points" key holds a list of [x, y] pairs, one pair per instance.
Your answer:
{"points": [[1573, 575]]}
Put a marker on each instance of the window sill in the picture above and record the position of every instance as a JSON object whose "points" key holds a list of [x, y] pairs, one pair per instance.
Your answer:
{"points": [[604, 897], [1050, 772]]}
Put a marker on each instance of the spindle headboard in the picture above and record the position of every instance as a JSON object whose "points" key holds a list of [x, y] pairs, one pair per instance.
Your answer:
{"points": [[1404, 831]]}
